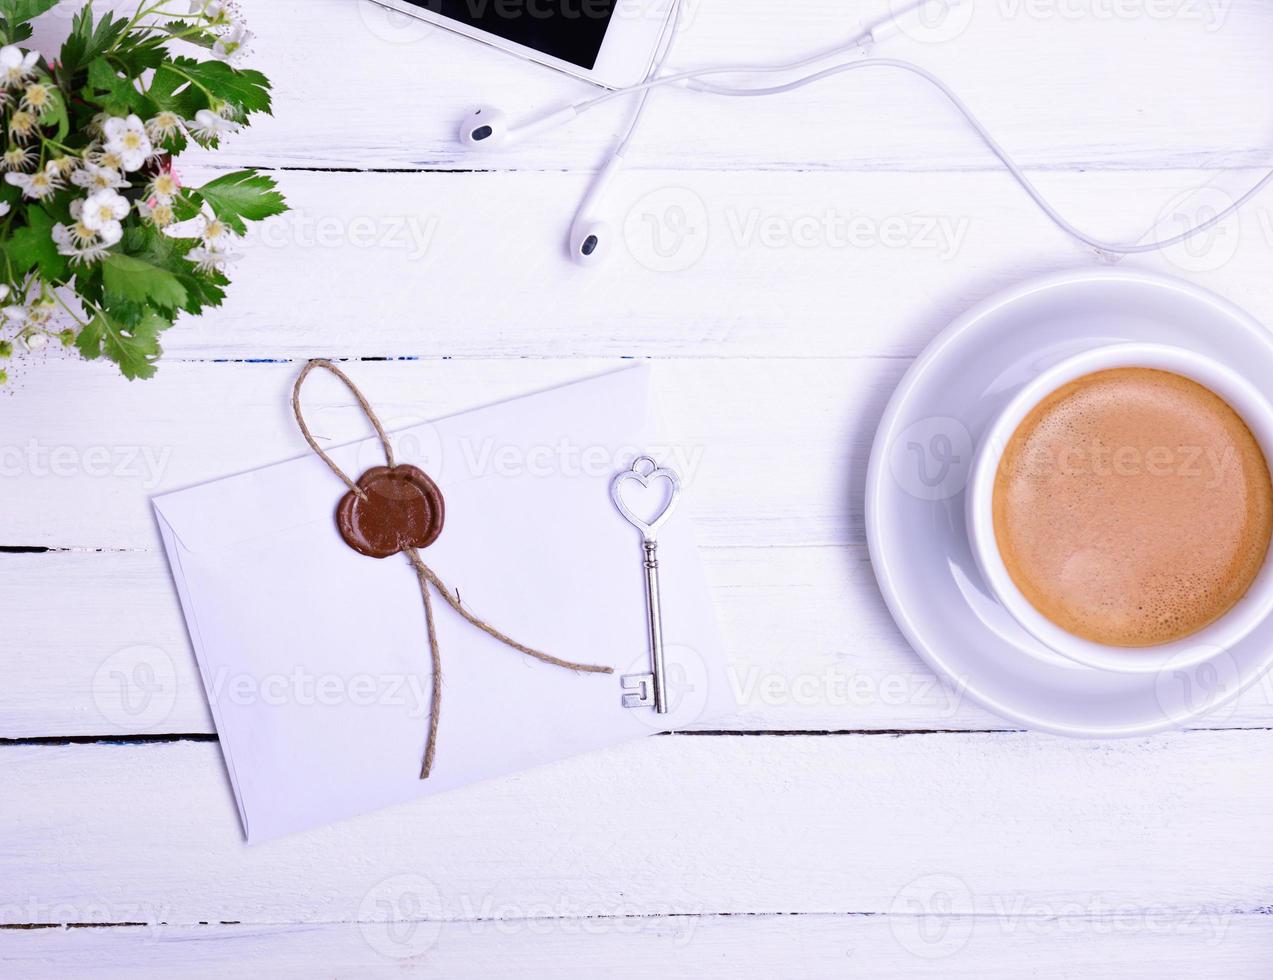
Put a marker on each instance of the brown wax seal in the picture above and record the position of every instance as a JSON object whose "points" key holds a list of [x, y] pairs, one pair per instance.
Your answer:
{"points": [[400, 508]]}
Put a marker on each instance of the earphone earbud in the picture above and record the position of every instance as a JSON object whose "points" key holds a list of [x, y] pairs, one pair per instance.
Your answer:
{"points": [[589, 235], [489, 127], [486, 126]]}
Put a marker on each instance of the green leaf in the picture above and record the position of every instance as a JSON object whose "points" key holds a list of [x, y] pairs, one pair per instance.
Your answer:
{"points": [[32, 247], [203, 289], [89, 340], [88, 41], [134, 347], [248, 90], [201, 39], [139, 281], [244, 194], [121, 95], [20, 11]]}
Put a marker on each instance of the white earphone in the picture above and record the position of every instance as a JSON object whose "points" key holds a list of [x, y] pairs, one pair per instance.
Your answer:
{"points": [[489, 127], [590, 233]]}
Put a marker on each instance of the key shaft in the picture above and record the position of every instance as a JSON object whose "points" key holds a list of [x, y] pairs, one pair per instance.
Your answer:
{"points": [[654, 621]]}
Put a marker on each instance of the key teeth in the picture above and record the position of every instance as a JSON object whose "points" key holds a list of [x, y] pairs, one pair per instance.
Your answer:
{"points": [[641, 688]]}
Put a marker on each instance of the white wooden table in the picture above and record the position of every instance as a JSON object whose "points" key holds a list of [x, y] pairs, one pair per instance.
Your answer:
{"points": [[857, 817]]}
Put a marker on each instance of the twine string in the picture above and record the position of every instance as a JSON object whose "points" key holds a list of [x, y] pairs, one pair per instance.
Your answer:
{"points": [[363, 404], [424, 574]]}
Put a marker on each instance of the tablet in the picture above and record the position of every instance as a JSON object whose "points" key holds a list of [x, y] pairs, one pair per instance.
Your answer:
{"points": [[610, 42]]}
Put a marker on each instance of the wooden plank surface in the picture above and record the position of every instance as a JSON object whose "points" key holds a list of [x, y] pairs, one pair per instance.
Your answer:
{"points": [[781, 261], [751, 947], [673, 825], [104, 652], [805, 265]]}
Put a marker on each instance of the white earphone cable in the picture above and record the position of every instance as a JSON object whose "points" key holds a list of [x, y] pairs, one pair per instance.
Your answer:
{"points": [[665, 51], [1002, 154]]}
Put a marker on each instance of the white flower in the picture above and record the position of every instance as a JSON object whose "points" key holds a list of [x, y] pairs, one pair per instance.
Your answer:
{"points": [[164, 187], [103, 208], [95, 178], [216, 11], [207, 260], [33, 312], [164, 126], [104, 158], [5, 208], [231, 46], [4, 292], [216, 236], [23, 125], [127, 139], [207, 125], [111, 232], [65, 166], [38, 185], [37, 98], [17, 158], [83, 245], [160, 214], [16, 67], [36, 341]]}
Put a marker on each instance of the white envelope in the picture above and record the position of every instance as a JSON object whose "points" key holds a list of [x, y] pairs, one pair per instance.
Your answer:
{"points": [[315, 658]]}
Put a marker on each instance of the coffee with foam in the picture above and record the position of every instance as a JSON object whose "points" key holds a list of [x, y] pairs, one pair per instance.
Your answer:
{"points": [[1133, 507]]}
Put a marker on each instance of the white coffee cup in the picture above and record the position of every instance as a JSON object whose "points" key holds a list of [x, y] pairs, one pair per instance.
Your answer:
{"points": [[1187, 651]]}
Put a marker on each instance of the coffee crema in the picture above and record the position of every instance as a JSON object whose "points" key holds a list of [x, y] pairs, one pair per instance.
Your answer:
{"points": [[1133, 507]]}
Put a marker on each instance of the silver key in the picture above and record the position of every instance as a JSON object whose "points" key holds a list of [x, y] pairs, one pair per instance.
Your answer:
{"points": [[648, 690]]}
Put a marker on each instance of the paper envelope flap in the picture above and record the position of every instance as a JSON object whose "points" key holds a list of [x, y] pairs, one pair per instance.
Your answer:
{"points": [[456, 449]]}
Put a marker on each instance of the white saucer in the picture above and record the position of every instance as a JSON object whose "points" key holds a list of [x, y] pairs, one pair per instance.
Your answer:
{"points": [[915, 499]]}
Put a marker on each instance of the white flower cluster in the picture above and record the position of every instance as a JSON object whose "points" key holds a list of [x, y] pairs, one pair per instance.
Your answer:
{"points": [[33, 317], [222, 16], [213, 253], [123, 145], [18, 69]]}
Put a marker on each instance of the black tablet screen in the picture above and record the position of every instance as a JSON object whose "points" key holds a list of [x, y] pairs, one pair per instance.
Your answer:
{"points": [[571, 30]]}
